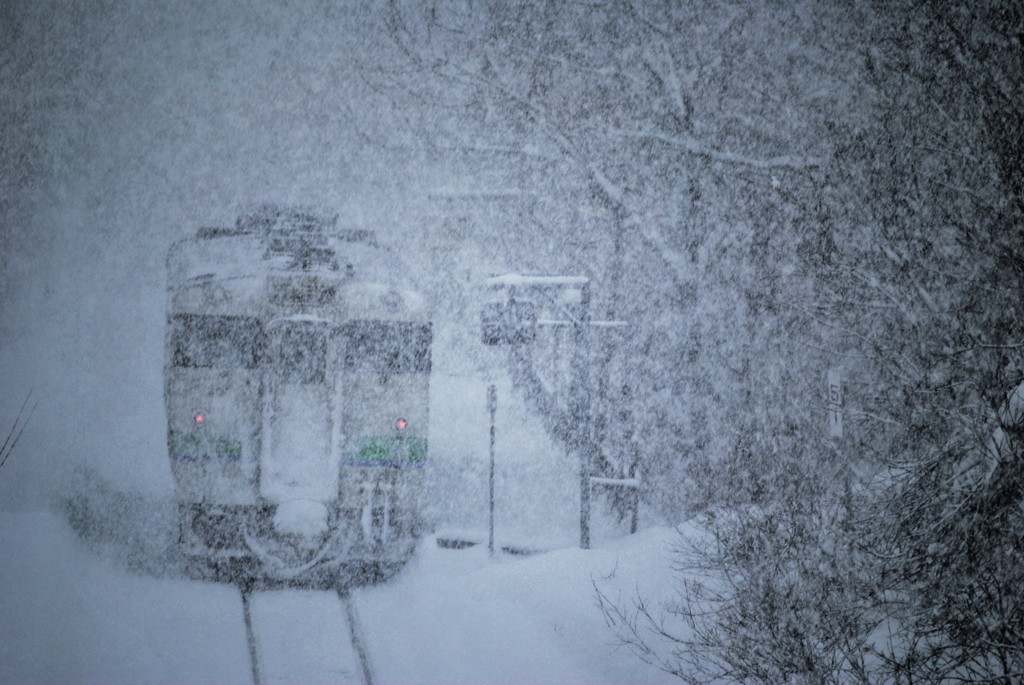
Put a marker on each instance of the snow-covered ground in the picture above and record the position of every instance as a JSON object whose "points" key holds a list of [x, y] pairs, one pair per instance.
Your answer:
{"points": [[452, 616]]}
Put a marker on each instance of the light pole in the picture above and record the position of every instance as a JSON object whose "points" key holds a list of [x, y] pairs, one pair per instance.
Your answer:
{"points": [[580, 408], [492, 408]]}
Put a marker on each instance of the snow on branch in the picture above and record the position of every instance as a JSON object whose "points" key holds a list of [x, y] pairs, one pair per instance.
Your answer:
{"points": [[507, 280], [692, 147]]}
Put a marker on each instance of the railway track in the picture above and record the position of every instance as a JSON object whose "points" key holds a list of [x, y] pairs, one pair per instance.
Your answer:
{"points": [[359, 652]]}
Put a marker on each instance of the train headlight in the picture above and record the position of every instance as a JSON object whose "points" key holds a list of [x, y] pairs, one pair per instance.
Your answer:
{"points": [[401, 424]]}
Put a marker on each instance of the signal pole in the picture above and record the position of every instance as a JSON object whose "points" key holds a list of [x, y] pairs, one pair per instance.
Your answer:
{"points": [[492, 407], [580, 408]]}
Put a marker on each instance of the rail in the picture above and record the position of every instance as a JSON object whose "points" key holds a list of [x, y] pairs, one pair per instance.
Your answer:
{"points": [[357, 639]]}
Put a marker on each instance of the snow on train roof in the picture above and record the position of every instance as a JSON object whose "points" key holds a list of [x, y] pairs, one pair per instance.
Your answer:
{"points": [[520, 280], [300, 318], [229, 253]]}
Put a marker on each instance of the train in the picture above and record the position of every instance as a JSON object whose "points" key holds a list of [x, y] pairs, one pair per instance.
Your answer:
{"points": [[297, 373]]}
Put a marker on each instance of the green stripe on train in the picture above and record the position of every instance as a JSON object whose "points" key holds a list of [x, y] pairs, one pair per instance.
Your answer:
{"points": [[196, 444], [386, 449]]}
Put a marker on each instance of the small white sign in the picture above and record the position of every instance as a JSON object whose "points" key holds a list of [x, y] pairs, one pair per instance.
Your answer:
{"points": [[834, 403]]}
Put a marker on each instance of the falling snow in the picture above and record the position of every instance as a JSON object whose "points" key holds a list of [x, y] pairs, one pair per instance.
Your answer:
{"points": [[672, 224]]}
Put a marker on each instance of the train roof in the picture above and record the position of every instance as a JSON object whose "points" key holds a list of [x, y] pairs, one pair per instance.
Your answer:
{"points": [[272, 239], [274, 253]]}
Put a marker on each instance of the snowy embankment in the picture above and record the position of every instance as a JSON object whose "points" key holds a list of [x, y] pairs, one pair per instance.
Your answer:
{"points": [[452, 616]]}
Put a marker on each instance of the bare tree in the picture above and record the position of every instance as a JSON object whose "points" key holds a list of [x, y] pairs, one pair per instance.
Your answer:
{"points": [[921, 208], [785, 188], [937, 330], [677, 152]]}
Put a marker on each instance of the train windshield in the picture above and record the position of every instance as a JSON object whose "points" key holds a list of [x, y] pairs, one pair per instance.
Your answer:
{"points": [[208, 341], [387, 346], [300, 352]]}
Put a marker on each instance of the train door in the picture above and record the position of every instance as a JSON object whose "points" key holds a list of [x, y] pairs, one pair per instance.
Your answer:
{"points": [[301, 423]]}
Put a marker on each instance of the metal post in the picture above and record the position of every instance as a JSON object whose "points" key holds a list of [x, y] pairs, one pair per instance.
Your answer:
{"points": [[580, 409], [634, 519], [492, 407]]}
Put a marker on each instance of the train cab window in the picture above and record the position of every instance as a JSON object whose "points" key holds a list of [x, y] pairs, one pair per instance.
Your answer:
{"points": [[208, 341], [387, 346], [300, 354]]}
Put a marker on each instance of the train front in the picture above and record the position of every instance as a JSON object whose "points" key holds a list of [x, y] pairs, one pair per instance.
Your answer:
{"points": [[297, 383]]}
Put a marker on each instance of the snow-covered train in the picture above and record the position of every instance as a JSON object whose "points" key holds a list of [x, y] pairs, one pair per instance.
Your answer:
{"points": [[296, 386]]}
